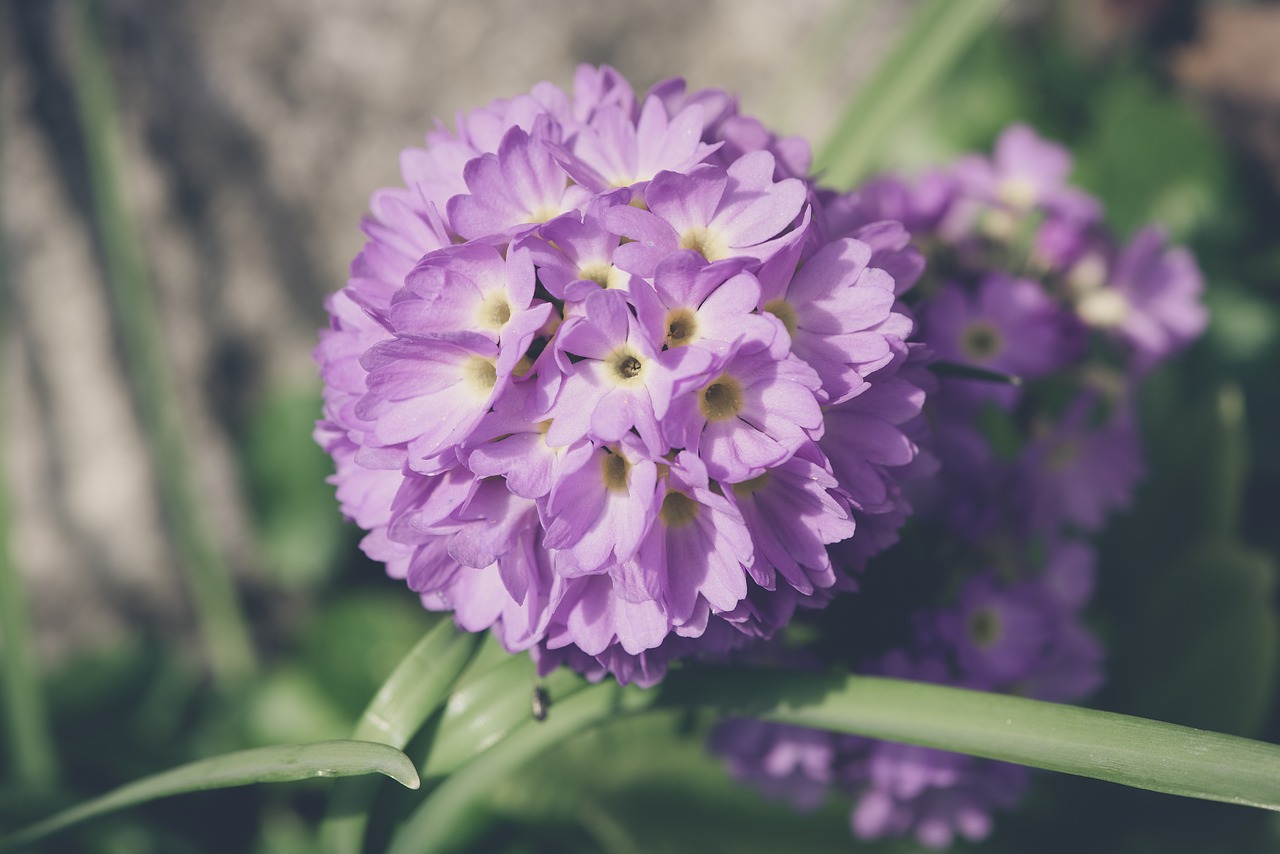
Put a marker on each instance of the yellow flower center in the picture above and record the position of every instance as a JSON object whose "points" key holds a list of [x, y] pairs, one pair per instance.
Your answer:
{"points": [[479, 375], [709, 244], [682, 327], [721, 400], [614, 469], [624, 367], [494, 311], [783, 310], [678, 510], [980, 341]]}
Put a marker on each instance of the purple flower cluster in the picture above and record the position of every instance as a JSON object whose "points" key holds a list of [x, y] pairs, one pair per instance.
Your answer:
{"points": [[1024, 280], [609, 377]]}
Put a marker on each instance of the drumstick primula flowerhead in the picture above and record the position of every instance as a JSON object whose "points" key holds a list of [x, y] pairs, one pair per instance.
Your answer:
{"points": [[589, 381]]}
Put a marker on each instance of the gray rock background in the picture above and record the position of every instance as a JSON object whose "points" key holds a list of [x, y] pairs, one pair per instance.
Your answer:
{"points": [[253, 135]]}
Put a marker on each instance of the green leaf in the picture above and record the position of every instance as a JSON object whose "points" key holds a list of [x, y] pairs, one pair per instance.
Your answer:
{"points": [[442, 821], [227, 641], [658, 765], [29, 742], [484, 709], [414, 691], [418, 685], [936, 38], [280, 764], [1122, 749]]}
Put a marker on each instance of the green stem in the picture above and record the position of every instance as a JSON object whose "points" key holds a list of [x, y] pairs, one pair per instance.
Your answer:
{"points": [[936, 38], [213, 590], [1231, 446], [30, 744]]}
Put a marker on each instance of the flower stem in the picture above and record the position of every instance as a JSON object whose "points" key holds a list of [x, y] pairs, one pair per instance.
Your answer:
{"points": [[213, 591]]}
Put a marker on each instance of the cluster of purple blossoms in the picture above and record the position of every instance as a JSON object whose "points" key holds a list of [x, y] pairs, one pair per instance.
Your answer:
{"points": [[608, 378], [1024, 280]]}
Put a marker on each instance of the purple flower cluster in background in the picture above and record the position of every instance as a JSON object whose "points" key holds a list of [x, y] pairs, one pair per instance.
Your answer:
{"points": [[610, 375], [1024, 280]]}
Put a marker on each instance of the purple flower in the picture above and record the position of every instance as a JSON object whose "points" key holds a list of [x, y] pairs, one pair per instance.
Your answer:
{"points": [[754, 413], [575, 383], [574, 252], [1009, 325], [1077, 473], [718, 213], [1026, 172], [998, 633], [509, 191], [1152, 299], [837, 311], [945, 795], [617, 150]]}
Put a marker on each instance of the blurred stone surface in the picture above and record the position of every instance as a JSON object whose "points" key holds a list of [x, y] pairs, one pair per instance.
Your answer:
{"points": [[254, 132]]}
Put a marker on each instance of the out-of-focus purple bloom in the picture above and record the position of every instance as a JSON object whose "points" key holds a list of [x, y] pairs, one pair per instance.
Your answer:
{"points": [[1028, 282], [1152, 298], [1025, 172], [1079, 472], [1008, 325]]}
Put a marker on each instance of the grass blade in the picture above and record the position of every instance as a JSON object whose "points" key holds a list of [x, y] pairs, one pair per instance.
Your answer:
{"points": [[484, 709], [280, 764], [26, 727], [213, 591], [412, 693], [1132, 751], [439, 824], [935, 39]]}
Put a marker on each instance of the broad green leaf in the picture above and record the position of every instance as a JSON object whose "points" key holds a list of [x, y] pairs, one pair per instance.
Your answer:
{"points": [[280, 764], [1122, 749], [414, 691]]}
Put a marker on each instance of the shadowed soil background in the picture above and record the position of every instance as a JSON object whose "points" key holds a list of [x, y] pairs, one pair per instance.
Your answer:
{"points": [[253, 134]]}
